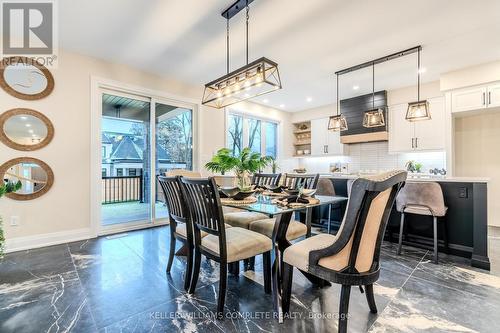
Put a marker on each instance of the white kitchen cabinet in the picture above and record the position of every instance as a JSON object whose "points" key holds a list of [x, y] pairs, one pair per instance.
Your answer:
{"points": [[405, 136], [494, 95], [475, 98], [469, 99], [323, 141]]}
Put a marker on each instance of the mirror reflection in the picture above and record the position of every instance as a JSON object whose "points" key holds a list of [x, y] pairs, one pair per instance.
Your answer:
{"points": [[25, 78], [32, 177], [25, 129]]}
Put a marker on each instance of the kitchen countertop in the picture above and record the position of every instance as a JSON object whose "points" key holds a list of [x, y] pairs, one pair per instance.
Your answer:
{"points": [[423, 178]]}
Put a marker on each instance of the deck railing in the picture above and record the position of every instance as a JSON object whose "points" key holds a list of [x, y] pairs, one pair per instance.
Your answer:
{"points": [[122, 189]]}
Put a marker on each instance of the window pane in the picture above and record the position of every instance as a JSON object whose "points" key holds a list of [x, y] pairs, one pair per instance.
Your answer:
{"points": [[254, 135], [271, 139], [235, 134]]}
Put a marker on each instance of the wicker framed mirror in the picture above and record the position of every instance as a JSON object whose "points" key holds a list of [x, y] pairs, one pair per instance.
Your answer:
{"points": [[35, 176], [25, 78], [25, 129]]}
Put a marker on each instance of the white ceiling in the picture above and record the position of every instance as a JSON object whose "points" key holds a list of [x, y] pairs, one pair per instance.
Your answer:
{"points": [[310, 40]]}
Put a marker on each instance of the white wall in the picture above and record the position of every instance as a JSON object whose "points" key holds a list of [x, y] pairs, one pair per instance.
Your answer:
{"points": [[65, 209], [471, 76]]}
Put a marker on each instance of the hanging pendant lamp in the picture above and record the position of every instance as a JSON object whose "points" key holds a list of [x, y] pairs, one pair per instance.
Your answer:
{"points": [[254, 79], [418, 110], [338, 122], [375, 116]]}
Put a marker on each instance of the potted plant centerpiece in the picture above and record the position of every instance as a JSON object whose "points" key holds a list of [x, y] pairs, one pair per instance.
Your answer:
{"points": [[5, 188], [243, 165]]}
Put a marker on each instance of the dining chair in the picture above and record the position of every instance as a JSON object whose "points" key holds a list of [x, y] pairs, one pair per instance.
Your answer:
{"points": [[224, 245], [179, 228], [301, 180], [260, 179], [423, 198], [352, 256]]}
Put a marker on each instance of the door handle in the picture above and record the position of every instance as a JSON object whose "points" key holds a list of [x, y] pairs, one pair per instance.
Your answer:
{"points": [[412, 143], [489, 97], [416, 142], [484, 98], [326, 148]]}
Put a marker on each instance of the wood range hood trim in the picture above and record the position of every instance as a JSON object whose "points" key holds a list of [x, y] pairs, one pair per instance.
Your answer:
{"points": [[365, 137]]}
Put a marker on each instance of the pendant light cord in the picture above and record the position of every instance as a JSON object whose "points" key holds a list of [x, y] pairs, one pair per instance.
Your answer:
{"points": [[247, 18], [227, 46], [373, 86], [418, 75], [338, 105]]}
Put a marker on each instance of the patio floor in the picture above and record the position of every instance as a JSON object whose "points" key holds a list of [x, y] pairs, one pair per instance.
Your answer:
{"points": [[124, 212]]}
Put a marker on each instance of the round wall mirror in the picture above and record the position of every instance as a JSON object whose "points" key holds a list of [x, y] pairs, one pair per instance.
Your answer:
{"points": [[25, 129], [35, 176], [25, 78]]}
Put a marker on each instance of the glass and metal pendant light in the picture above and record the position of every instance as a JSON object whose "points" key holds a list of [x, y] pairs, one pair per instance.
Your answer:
{"points": [[253, 79], [338, 122], [375, 116], [418, 110]]}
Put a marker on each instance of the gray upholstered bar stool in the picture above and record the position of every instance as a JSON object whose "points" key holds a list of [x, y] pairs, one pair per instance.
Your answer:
{"points": [[422, 198]]}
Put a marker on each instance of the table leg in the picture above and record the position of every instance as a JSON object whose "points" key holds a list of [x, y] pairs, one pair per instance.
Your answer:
{"points": [[329, 217], [308, 221]]}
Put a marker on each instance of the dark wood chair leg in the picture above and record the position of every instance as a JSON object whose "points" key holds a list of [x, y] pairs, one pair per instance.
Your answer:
{"points": [[234, 268], [266, 261], [171, 252], [196, 270], [370, 297], [251, 264], [345, 293], [287, 287], [189, 269], [222, 289], [245, 264]]}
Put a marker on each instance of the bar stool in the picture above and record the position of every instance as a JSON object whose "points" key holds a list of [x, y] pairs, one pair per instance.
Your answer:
{"points": [[422, 198]]}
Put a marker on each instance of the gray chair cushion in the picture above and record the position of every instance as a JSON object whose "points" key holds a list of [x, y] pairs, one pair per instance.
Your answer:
{"points": [[295, 229], [243, 219], [240, 244], [421, 198]]}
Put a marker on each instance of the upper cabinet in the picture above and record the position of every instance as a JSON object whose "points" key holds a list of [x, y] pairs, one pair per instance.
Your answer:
{"points": [[475, 98], [323, 141], [405, 136]]}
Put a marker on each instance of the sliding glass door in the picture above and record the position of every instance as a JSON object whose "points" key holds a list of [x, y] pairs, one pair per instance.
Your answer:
{"points": [[141, 137]]}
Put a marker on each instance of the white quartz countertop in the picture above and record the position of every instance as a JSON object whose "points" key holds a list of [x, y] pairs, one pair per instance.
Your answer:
{"points": [[415, 178]]}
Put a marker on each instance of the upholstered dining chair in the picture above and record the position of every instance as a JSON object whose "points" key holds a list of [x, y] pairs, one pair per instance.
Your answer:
{"points": [[179, 229], [352, 256], [301, 180], [224, 245], [422, 198]]}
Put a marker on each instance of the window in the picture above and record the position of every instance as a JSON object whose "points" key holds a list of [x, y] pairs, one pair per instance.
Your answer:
{"points": [[119, 172], [103, 152], [104, 172], [235, 133], [132, 172], [259, 135]]}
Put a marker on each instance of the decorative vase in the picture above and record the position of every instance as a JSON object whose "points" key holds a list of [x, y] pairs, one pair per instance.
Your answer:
{"points": [[243, 180]]}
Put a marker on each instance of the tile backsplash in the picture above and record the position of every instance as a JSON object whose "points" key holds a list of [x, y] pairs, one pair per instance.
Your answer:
{"points": [[372, 157]]}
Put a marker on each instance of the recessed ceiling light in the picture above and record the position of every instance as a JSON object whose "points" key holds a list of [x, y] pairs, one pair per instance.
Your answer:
{"points": [[355, 87], [422, 70], [30, 131], [265, 101], [24, 117], [309, 99], [28, 125], [282, 106]]}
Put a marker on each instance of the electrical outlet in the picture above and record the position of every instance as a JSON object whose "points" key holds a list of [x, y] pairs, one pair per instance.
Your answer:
{"points": [[462, 193], [14, 221]]}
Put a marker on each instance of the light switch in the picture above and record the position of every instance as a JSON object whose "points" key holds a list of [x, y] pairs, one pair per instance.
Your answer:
{"points": [[14, 221], [462, 193]]}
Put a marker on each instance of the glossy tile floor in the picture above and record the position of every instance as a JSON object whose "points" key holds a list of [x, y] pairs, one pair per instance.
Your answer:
{"points": [[120, 285]]}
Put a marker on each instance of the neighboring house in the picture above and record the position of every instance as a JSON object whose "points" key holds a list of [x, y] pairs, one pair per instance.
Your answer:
{"points": [[123, 155]]}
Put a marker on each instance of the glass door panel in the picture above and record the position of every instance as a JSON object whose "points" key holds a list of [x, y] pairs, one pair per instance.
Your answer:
{"points": [[174, 145], [125, 159]]}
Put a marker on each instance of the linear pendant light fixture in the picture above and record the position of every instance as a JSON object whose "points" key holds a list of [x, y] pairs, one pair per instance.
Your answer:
{"points": [[375, 116], [338, 122], [255, 78], [418, 110]]}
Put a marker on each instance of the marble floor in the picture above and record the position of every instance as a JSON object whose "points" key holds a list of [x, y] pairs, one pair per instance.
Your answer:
{"points": [[118, 284]]}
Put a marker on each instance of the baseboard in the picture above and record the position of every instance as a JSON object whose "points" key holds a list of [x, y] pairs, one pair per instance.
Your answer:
{"points": [[55, 238]]}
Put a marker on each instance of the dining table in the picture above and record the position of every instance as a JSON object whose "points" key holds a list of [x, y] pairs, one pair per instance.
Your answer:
{"points": [[269, 205]]}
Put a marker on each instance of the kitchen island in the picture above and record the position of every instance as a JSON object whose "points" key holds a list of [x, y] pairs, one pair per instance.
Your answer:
{"points": [[466, 219]]}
